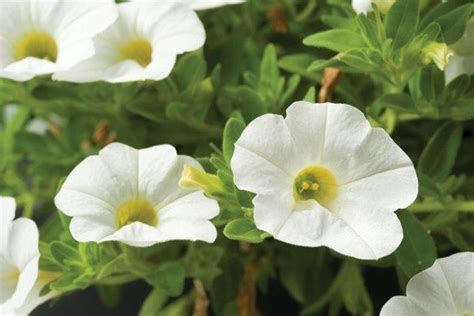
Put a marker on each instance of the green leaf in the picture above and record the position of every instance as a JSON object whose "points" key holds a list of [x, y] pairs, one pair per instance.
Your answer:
{"points": [[244, 229], [298, 64], [64, 253], [233, 128], [169, 276], [110, 295], [310, 95], [369, 31], [439, 155], [399, 101], [338, 40], [417, 250], [354, 293], [453, 24], [401, 21], [154, 302]]}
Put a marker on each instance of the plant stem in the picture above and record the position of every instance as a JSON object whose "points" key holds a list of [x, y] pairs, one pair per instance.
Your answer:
{"points": [[119, 279], [435, 206]]}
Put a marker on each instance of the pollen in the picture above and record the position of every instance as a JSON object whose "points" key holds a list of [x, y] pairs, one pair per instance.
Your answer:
{"points": [[137, 49], [36, 44], [136, 210], [315, 183]]}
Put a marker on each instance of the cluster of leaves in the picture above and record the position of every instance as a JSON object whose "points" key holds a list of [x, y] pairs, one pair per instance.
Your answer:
{"points": [[259, 57]]}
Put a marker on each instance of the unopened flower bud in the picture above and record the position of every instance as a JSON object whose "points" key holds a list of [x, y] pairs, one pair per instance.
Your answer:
{"points": [[384, 5], [196, 179], [438, 53]]}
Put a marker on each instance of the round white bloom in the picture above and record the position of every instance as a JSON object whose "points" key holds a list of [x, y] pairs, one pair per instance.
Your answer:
{"points": [[362, 6], [444, 289], [41, 37], [19, 257], [324, 177], [462, 62], [200, 4], [142, 44], [209, 4], [133, 196]]}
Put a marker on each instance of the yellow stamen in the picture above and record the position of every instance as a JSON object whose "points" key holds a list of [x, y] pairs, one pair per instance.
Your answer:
{"points": [[315, 183], [137, 49], [136, 210], [36, 44]]}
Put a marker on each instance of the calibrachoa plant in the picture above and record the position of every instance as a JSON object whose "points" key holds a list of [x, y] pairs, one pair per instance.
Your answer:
{"points": [[238, 157]]}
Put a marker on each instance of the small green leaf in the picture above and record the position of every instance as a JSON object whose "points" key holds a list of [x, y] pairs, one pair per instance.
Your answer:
{"points": [[399, 101], [169, 276], [401, 21], [233, 128], [64, 253], [154, 302], [244, 229], [338, 40], [453, 24], [110, 295], [417, 250], [354, 293], [439, 155]]}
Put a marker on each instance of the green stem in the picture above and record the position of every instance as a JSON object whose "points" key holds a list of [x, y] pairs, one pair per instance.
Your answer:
{"points": [[435, 206], [118, 279]]}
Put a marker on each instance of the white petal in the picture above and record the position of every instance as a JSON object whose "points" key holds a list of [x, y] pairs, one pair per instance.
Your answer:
{"points": [[458, 269], [266, 157], [26, 281], [210, 4], [23, 242], [457, 66], [439, 288], [401, 305], [158, 165], [362, 6], [385, 175], [138, 235], [194, 205], [371, 232], [7, 211], [161, 67], [99, 184], [171, 29], [179, 30], [272, 211], [188, 229], [92, 228], [307, 124], [443, 289]]}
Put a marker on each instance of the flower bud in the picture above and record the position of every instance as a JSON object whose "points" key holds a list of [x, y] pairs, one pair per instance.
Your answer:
{"points": [[196, 179], [384, 5], [438, 53]]}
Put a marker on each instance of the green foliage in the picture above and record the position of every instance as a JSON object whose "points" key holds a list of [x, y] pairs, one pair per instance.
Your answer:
{"points": [[259, 57]]}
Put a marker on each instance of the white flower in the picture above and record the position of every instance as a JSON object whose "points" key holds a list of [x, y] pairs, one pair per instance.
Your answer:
{"points": [[133, 196], [444, 289], [142, 44], [364, 6], [324, 177], [200, 4], [462, 62], [42, 37], [19, 257], [209, 4]]}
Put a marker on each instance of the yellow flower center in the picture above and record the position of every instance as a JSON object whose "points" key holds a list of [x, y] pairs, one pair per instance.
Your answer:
{"points": [[36, 44], [137, 49], [136, 210], [315, 183]]}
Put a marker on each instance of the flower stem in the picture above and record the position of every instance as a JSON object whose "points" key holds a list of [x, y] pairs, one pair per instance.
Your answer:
{"points": [[435, 206]]}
